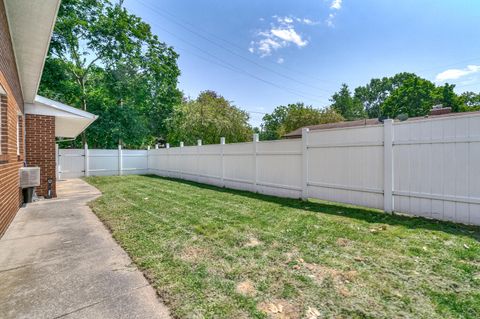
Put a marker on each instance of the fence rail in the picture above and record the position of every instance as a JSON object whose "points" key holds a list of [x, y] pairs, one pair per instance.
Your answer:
{"points": [[427, 168]]}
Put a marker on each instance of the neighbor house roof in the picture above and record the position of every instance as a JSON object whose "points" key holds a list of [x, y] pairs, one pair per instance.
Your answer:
{"points": [[365, 122], [69, 121], [31, 24], [298, 132]]}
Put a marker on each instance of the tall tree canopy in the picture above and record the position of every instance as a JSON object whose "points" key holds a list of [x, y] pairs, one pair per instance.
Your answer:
{"points": [[373, 95], [209, 117], [404, 93], [415, 97], [107, 61], [347, 105], [470, 101], [285, 119]]}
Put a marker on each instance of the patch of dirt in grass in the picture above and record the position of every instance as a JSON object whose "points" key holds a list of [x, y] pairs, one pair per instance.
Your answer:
{"points": [[252, 242], [343, 242], [193, 254], [320, 273], [339, 277], [246, 288], [291, 255], [312, 313], [279, 309]]}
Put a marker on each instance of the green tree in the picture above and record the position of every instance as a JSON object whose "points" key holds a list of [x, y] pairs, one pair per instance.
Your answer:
{"points": [[447, 97], [103, 57], [470, 101], [272, 123], [373, 95], [209, 117], [415, 97], [285, 119], [347, 105]]}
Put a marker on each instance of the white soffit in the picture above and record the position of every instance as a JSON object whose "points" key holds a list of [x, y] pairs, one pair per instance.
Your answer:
{"points": [[69, 121], [31, 24]]}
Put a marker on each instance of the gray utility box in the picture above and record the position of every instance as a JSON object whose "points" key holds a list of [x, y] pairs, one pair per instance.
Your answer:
{"points": [[29, 179]]}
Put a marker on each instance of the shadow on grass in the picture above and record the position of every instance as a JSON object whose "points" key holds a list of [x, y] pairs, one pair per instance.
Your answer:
{"points": [[360, 213]]}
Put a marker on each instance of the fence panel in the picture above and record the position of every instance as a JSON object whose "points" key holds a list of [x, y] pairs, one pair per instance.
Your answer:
{"points": [[71, 163], [210, 164], [134, 162], [238, 161], [102, 162], [436, 168], [279, 168], [346, 165], [158, 161]]}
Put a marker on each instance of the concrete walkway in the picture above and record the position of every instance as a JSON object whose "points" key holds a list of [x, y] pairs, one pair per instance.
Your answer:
{"points": [[57, 260]]}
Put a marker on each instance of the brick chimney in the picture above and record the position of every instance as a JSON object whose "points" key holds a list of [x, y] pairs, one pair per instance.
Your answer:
{"points": [[439, 110]]}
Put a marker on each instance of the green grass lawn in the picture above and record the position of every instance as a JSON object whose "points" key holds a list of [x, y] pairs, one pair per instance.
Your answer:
{"points": [[219, 253]]}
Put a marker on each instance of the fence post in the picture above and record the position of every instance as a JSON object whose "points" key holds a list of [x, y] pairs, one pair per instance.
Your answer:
{"points": [[199, 143], [305, 132], [388, 204], [86, 164], [181, 160], [120, 160], [167, 172], [255, 164], [148, 160], [222, 144]]}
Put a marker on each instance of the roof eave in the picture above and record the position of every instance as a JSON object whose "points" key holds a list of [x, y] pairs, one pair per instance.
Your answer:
{"points": [[31, 25]]}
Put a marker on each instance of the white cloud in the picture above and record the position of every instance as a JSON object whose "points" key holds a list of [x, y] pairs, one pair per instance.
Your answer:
{"points": [[284, 20], [307, 21], [281, 33], [289, 35], [454, 74], [280, 60], [289, 20], [267, 45], [336, 5], [330, 19]]}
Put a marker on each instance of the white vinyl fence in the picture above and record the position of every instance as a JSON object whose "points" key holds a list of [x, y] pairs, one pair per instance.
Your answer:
{"points": [[73, 163], [427, 167]]}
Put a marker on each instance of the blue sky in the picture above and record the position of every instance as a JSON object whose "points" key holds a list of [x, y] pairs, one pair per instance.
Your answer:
{"points": [[261, 54]]}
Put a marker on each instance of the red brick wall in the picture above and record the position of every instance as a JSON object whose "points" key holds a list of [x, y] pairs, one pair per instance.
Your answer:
{"points": [[11, 104], [40, 148], [8, 66]]}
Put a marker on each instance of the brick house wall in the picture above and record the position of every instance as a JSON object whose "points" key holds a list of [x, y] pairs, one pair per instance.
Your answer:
{"points": [[40, 146], [11, 111]]}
